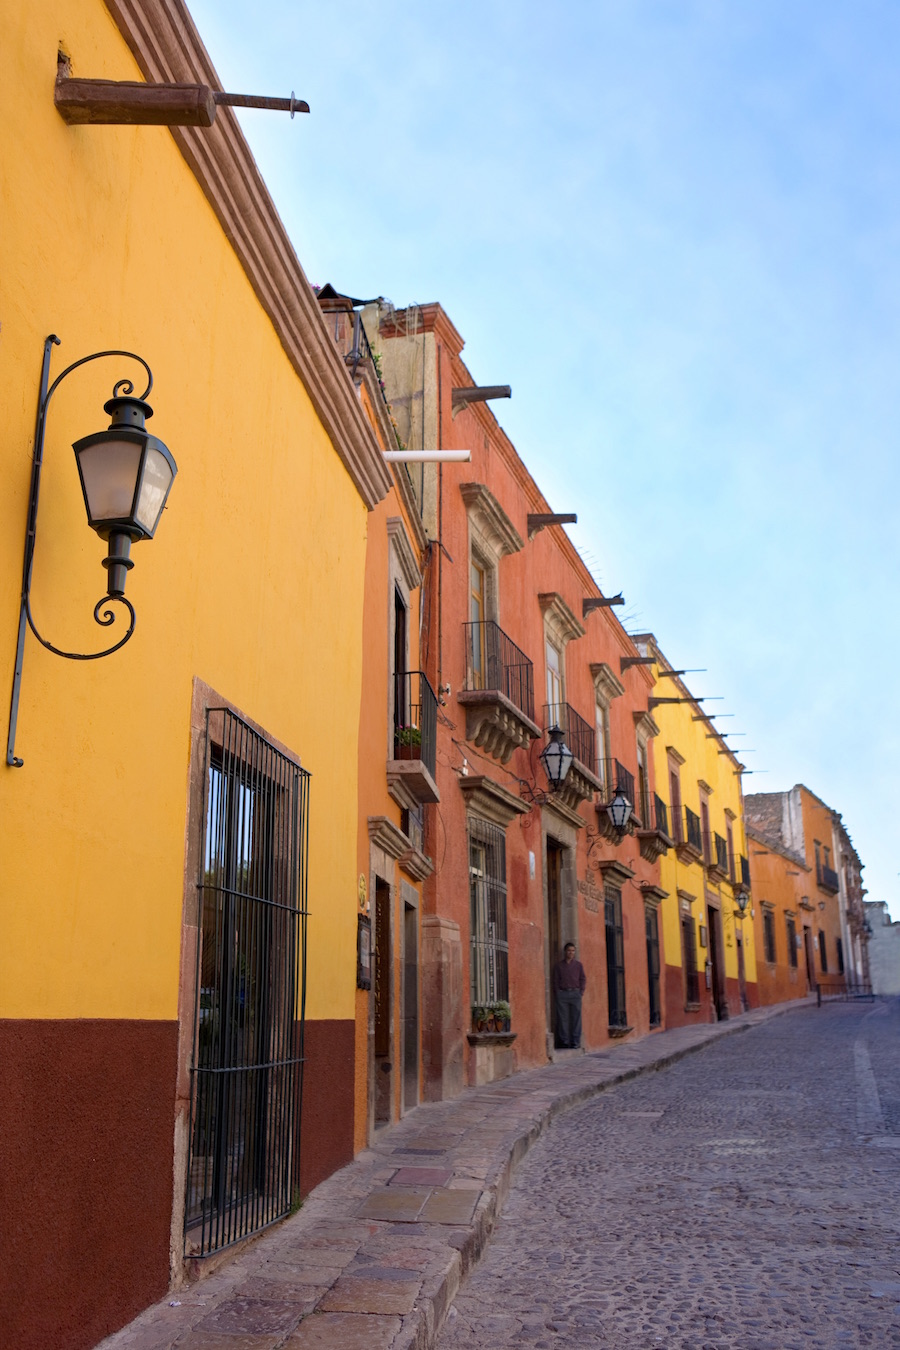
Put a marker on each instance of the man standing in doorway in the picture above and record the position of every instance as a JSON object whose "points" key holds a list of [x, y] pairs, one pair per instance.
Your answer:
{"points": [[569, 983]]}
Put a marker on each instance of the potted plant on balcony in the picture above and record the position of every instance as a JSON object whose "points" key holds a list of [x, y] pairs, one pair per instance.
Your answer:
{"points": [[501, 1013], [407, 743]]}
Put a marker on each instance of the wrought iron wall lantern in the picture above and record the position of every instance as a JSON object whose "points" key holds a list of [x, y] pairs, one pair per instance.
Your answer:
{"points": [[743, 899], [126, 475], [620, 812], [556, 758]]}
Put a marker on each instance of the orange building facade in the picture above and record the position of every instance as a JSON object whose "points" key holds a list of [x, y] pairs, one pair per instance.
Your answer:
{"points": [[516, 638], [800, 927]]}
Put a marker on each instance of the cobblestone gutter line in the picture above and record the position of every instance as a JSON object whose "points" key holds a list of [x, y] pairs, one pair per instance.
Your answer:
{"points": [[378, 1252]]}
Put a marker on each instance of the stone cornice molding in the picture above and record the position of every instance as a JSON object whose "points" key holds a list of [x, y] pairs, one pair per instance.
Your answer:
{"points": [[606, 682], [563, 811], [403, 551], [675, 755], [644, 724], [561, 624], [490, 520], [387, 836], [653, 895], [168, 49], [417, 864], [614, 871], [490, 801]]}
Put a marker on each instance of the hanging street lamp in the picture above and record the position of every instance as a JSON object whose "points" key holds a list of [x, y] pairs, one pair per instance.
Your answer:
{"points": [[619, 812], [556, 758]]}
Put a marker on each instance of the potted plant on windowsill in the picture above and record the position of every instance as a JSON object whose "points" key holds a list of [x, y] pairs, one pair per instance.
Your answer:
{"points": [[480, 1016], [501, 1013], [407, 743]]}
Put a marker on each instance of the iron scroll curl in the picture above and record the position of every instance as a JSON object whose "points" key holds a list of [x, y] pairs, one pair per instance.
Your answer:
{"points": [[108, 617]]}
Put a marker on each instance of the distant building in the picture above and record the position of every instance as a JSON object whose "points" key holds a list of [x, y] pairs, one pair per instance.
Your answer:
{"points": [[884, 948], [805, 880]]}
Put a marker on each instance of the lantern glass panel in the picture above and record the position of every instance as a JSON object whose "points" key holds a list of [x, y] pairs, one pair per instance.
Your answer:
{"points": [[156, 481], [109, 472]]}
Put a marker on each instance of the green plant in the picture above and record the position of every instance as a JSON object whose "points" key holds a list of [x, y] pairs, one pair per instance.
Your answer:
{"points": [[480, 1014], [501, 1009], [407, 736]]}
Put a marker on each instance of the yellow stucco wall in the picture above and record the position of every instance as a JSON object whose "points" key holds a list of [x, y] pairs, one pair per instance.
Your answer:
{"points": [[703, 763], [254, 582]]}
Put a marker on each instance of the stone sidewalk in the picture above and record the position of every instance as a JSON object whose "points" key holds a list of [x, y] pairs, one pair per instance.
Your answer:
{"points": [[378, 1251]]}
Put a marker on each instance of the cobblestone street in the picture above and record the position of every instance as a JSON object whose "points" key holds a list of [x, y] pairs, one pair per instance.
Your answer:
{"points": [[744, 1197]]}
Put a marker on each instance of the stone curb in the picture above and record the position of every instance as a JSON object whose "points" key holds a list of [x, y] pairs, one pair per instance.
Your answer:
{"points": [[219, 1312]]}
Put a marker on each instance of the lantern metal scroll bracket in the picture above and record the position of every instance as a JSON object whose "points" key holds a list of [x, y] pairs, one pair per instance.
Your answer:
{"points": [[117, 563]]}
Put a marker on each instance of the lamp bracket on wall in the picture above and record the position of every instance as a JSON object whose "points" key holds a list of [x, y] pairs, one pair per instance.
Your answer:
{"points": [[128, 415], [592, 602], [539, 520], [463, 395], [134, 103]]}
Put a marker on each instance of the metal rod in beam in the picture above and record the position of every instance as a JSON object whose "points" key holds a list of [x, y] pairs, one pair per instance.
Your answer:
{"points": [[427, 456]]}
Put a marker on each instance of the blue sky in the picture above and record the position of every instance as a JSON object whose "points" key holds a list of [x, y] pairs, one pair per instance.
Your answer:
{"points": [[672, 226]]}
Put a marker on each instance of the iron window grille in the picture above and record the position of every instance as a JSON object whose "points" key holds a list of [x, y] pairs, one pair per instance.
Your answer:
{"points": [[823, 954], [487, 890], [652, 928], [792, 942], [769, 936], [689, 947], [661, 815], [745, 872], [615, 956], [247, 1071], [493, 661]]}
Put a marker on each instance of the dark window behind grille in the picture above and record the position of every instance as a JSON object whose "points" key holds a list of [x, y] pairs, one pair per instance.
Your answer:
{"points": [[792, 942], [823, 954], [615, 956], [487, 888], [840, 955], [689, 947], [652, 926], [247, 1069], [769, 935]]}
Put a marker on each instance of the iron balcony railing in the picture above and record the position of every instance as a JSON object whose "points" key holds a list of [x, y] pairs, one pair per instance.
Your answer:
{"points": [[827, 877], [661, 815], [579, 734], [415, 719], [693, 835], [493, 661], [719, 856], [745, 872], [615, 779]]}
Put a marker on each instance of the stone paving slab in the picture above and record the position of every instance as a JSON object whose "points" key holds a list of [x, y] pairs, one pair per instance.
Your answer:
{"points": [[377, 1253]]}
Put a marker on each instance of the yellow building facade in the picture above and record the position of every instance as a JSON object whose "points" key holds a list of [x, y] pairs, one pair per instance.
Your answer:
{"points": [[175, 842], [708, 941]]}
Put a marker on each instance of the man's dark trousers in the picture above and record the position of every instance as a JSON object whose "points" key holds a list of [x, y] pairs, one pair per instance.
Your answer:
{"points": [[568, 1018]]}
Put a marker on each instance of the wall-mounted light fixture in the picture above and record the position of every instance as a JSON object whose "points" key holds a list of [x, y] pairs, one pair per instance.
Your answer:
{"points": [[126, 475], [619, 811], [743, 899], [556, 758]]}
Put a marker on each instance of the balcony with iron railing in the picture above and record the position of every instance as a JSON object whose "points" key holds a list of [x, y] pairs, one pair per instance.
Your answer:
{"points": [[498, 694], [717, 856], [827, 878], [689, 840], [581, 781], [654, 837], [745, 874], [411, 768]]}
